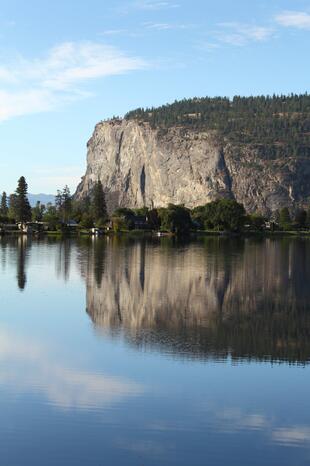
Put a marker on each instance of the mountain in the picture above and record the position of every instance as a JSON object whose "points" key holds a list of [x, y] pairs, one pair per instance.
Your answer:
{"points": [[255, 150], [43, 198]]}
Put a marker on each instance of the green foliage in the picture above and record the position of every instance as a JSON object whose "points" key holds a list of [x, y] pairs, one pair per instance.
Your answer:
{"points": [[300, 219], [98, 204], [119, 224], [87, 221], [221, 215], [285, 221], [124, 218], [22, 209], [277, 126], [38, 212], [101, 222], [256, 221], [12, 208], [153, 219], [175, 219], [51, 217], [63, 202], [142, 211], [79, 208], [4, 210]]}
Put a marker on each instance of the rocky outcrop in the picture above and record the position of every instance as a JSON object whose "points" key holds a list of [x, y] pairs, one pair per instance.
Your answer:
{"points": [[141, 166]]}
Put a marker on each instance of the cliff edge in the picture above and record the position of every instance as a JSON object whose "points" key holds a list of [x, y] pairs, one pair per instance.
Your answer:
{"points": [[140, 165]]}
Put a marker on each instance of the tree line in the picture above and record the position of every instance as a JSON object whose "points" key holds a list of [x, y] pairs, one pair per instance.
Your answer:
{"points": [[219, 215], [277, 126], [16, 208]]}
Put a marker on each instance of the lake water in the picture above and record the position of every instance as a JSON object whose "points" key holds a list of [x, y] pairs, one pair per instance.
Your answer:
{"points": [[139, 353]]}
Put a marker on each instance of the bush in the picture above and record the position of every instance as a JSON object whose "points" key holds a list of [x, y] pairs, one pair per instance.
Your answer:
{"points": [[175, 219], [87, 221], [221, 215]]}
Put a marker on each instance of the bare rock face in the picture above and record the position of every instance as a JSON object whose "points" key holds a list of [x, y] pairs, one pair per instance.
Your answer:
{"points": [[140, 166]]}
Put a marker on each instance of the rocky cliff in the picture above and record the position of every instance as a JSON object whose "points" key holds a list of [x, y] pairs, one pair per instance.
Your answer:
{"points": [[140, 165]]}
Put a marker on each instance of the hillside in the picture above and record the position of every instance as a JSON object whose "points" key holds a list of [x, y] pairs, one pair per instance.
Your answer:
{"points": [[279, 124], [256, 150]]}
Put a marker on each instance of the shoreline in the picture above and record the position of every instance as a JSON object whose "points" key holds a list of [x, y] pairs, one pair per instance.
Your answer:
{"points": [[158, 234]]}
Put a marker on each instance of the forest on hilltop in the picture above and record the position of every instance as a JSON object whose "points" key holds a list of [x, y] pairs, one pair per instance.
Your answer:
{"points": [[279, 126]]}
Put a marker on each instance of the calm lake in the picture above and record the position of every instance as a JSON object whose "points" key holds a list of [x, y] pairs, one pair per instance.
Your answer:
{"points": [[152, 352]]}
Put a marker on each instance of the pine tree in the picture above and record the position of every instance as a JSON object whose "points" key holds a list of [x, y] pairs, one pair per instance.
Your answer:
{"points": [[4, 205], [66, 203], [58, 200], [38, 212], [63, 202], [98, 205], [22, 208], [285, 219], [12, 207]]}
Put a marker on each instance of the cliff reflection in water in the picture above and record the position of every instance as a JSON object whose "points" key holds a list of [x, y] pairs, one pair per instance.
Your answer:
{"points": [[216, 298]]}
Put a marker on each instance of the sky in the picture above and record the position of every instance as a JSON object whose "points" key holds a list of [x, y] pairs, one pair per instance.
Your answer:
{"points": [[67, 64]]}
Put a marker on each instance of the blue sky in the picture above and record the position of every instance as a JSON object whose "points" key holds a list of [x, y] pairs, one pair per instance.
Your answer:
{"points": [[66, 64]]}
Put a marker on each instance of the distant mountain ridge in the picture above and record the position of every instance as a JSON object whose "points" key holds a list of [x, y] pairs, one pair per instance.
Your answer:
{"points": [[43, 198]]}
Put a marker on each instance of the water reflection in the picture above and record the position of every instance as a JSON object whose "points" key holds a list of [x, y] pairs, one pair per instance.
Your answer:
{"points": [[35, 370], [16, 251], [23, 244], [82, 395], [239, 298]]}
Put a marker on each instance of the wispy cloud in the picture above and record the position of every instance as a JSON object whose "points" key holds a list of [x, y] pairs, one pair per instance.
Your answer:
{"points": [[240, 34], [295, 19], [49, 177], [165, 26], [64, 386], [146, 5], [42, 84], [292, 436], [114, 32], [154, 5]]}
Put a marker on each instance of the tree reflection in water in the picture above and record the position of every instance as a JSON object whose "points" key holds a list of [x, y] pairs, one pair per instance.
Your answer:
{"points": [[244, 299]]}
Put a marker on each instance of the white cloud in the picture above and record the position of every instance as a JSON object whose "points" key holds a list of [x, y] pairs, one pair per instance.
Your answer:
{"points": [[242, 34], [146, 5], [296, 19], [42, 84], [165, 26], [233, 419], [154, 5], [292, 436], [27, 366], [114, 32]]}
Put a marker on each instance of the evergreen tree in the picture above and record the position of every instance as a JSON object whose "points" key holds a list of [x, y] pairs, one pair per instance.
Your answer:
{"points": [[98, 205], [12, 207], [38, 212], [66, 203], [4, 205], [300, 218], [22, 208], [58, 200], [63, 202], [261, 121], [285, 219]]}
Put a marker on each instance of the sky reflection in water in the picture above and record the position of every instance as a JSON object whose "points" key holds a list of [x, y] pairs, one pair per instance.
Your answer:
{"points": [[153, 352]]}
